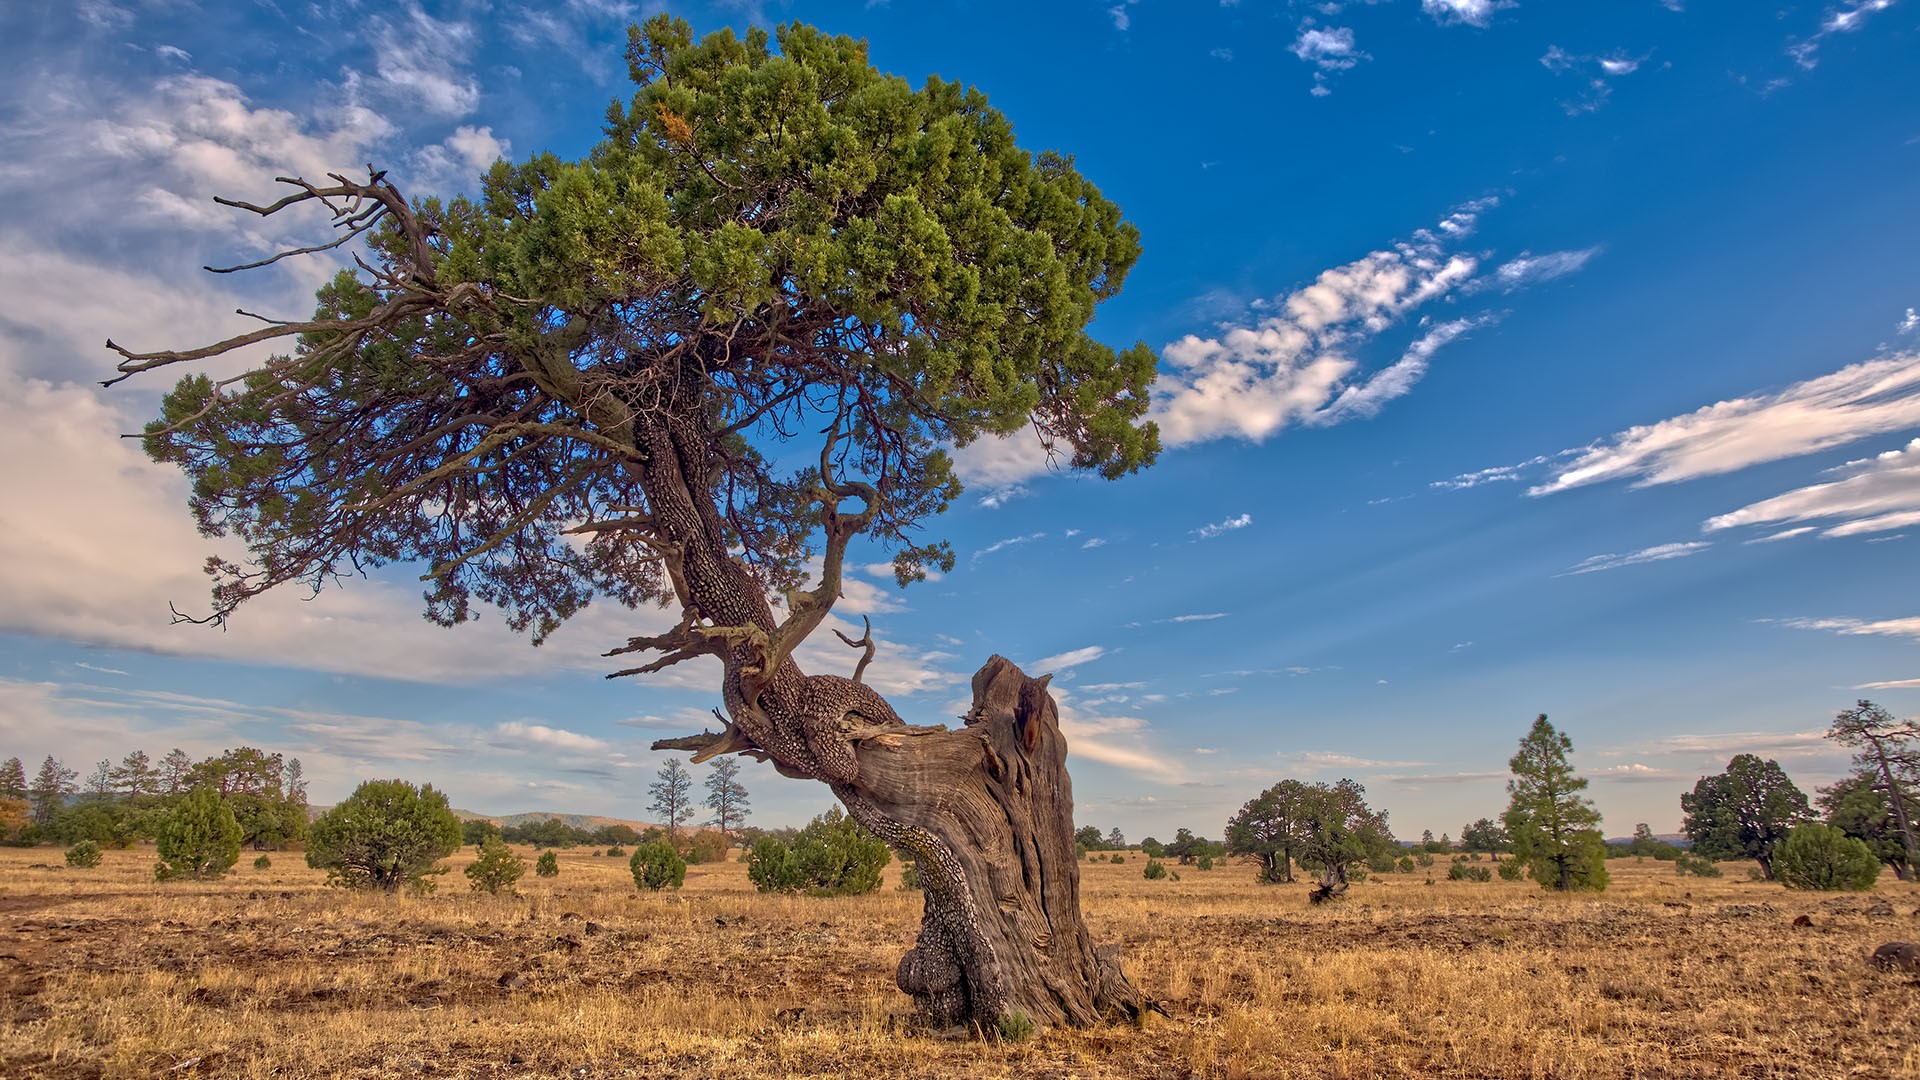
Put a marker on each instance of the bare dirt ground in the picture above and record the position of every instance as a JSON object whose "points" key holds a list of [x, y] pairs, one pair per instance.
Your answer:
{"points": [[269, 973]]}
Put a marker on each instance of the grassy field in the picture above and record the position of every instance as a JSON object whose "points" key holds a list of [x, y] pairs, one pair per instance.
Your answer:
{"points": [[271, 974]]}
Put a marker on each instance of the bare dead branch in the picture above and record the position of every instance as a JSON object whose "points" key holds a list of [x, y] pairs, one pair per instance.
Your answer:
{"points": [[866, 642]]}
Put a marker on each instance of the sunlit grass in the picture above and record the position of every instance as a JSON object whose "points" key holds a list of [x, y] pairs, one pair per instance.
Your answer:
{"points": [[270, 973]]}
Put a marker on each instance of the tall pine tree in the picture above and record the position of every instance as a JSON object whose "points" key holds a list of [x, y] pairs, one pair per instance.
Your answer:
{"points": [[1554, 831]]}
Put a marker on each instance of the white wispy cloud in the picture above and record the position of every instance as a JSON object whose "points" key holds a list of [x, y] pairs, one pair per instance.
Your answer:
{"points": [[1856, 402], [1724, 745], [1593, 71], [1465, 12], [419, 61], [516, 732], [1910, 323], [1637, 773], [1894, 684], [1527, 269], [1906, 627], [1842, 18], [1204, 617], [1093, 542], [1657, 553], [1209, 531], [1001, 545], [1069, 659], [1366, 399], [1296, 356], [1333, 761], [996, 498], [1879, 494], [1498, 474]]}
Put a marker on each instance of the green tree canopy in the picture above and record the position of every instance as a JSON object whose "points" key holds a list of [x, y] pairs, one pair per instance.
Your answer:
{"points": [[1555, 831], [386, 834], [1744, 812], [1324, 827]]}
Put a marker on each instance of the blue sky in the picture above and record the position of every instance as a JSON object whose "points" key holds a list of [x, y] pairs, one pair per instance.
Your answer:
{"points": [[1516, 356]]}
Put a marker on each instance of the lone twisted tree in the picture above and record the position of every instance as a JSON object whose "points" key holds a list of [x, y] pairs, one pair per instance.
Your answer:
{"points": [[625, 350]]}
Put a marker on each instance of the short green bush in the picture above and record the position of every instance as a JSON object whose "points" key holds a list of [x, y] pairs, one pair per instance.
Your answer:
{"points": [[832, 856], [1205, 862], [1824, 858], [1119, 858], [1405, 865], [1015, 1026], [199, 837], [1697, 865], [1155, 870], [547, 865], [85, 855], [1464, 871], [1512, 870], [262, 863], [656, 865], [495, 868], [909, 876], [616, 852]]}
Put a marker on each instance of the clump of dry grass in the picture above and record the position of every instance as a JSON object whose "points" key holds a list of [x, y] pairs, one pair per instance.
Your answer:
{"points": [[269, 973]]}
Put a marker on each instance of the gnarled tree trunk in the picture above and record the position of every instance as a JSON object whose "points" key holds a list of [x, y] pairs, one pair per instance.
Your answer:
{"points": [[987, 812]]}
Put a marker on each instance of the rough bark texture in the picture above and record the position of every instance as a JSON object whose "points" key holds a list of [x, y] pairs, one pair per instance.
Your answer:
{"points": [[987, 812]]}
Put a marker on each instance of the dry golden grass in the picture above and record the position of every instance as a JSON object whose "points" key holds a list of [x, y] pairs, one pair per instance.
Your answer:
{"points": [[270, 973]]}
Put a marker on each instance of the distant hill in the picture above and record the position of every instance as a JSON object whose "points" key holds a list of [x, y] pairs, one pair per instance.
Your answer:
{"points": [[1677, 839], [531, 817], [534, 817]]}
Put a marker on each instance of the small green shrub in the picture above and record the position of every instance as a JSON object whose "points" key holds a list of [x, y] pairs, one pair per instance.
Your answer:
{"points": [[1464, 871], [199, 838], [1154, 871], [1697, 865], [832, 856], [1405, 865], [262, 863], [1381, 864], [1424, 859], [656, 865], [909, 876], [1512, 870], [85, 855], [1205, 862], [1824, 858], [547, 865], [1119, 858], [616, 852], [1015, 1026], [496, 867]]}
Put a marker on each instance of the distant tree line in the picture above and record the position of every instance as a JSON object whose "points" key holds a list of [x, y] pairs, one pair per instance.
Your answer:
{"points": [[120, 804]]}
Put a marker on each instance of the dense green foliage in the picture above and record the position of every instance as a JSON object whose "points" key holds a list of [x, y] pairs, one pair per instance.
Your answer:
{"points": [[1744, 812], [1327, 828], [198, 838], [85, 855], [1486, 836], [547, 865], [1862, 807], [1815, 856], [386, 835], [1154, 870], [656, 865], [1555, 832], [779, 218], [833, 856]]}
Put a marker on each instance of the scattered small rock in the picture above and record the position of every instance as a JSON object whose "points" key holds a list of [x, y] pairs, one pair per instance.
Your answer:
{"points": [[567, 942], [570, 916], [515, 1059], [1896, 956], [595, 928], [1881, 910], [1803, 920], [513, 980], [1745, 911]]}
